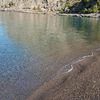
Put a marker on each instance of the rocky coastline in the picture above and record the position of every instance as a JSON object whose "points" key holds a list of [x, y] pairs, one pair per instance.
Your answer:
{"points": [[91, 15], [29, 11]]}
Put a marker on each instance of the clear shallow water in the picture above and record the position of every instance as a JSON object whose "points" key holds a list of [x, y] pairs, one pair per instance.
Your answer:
{"points": [[34, 47]]}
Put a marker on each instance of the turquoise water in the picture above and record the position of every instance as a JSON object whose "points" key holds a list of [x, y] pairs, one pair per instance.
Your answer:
{"points": [[34, 47]]}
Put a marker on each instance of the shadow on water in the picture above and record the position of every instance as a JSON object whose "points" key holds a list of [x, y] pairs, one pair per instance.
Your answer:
{"points": [[88, 27]]}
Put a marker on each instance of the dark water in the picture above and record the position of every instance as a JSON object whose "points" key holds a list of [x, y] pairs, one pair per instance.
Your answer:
{"points": [[34, 47]]}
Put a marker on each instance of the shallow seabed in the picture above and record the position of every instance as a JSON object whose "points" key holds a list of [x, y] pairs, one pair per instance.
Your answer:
{"points": [[34, 47]]}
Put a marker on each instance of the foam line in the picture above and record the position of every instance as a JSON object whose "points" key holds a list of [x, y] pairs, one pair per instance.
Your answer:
{"points": [[75, 62], [66, 65], [88, 56], [70, 69], [83, 58]]}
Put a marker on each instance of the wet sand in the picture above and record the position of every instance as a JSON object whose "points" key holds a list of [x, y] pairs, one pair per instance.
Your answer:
{"points": [[80, 82]]}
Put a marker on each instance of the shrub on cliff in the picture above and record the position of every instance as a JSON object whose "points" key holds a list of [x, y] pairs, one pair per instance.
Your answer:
{"points": [[83, 6], [11, 4]]}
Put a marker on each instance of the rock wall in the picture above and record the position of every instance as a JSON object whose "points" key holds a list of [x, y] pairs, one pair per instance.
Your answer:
{"points": [[33, 4]]}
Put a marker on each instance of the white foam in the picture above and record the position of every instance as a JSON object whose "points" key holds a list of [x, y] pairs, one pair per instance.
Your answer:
{"points": [[70, 69], [66, 65], [75, 62], [88, 56]]}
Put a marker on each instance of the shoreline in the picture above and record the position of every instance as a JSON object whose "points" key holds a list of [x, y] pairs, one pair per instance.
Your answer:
{"points": [[27, 11], [91, 15], [79, 81]]}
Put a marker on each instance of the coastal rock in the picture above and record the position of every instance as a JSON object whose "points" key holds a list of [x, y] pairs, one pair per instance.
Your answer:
{"points": [[51, 5]]}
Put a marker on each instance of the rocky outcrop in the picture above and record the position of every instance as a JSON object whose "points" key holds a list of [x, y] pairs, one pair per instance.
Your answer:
{"points": [[62, 6], [50, 5]]}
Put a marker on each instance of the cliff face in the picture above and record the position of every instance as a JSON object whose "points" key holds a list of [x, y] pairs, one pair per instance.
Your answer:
{"points": [[64, 6], [19, 3], [33, 4]]}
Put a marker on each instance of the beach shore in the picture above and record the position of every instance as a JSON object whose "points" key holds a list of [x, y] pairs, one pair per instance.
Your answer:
{"points": [[80, 82]]}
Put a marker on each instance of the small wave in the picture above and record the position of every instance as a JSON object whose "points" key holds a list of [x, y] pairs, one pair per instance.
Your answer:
{"points": [[70, 69], [75, 62]]}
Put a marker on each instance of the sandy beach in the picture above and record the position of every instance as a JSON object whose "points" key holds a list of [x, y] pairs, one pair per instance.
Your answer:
{"points": [[81, 82]]}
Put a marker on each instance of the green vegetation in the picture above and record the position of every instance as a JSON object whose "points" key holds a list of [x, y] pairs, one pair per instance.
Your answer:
{"points": [[11, 4], [85, 1], [93, 7], [82, 6]]}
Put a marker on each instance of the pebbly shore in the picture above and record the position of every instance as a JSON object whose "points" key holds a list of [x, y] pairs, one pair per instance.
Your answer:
{"points": [[80, 82]]}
